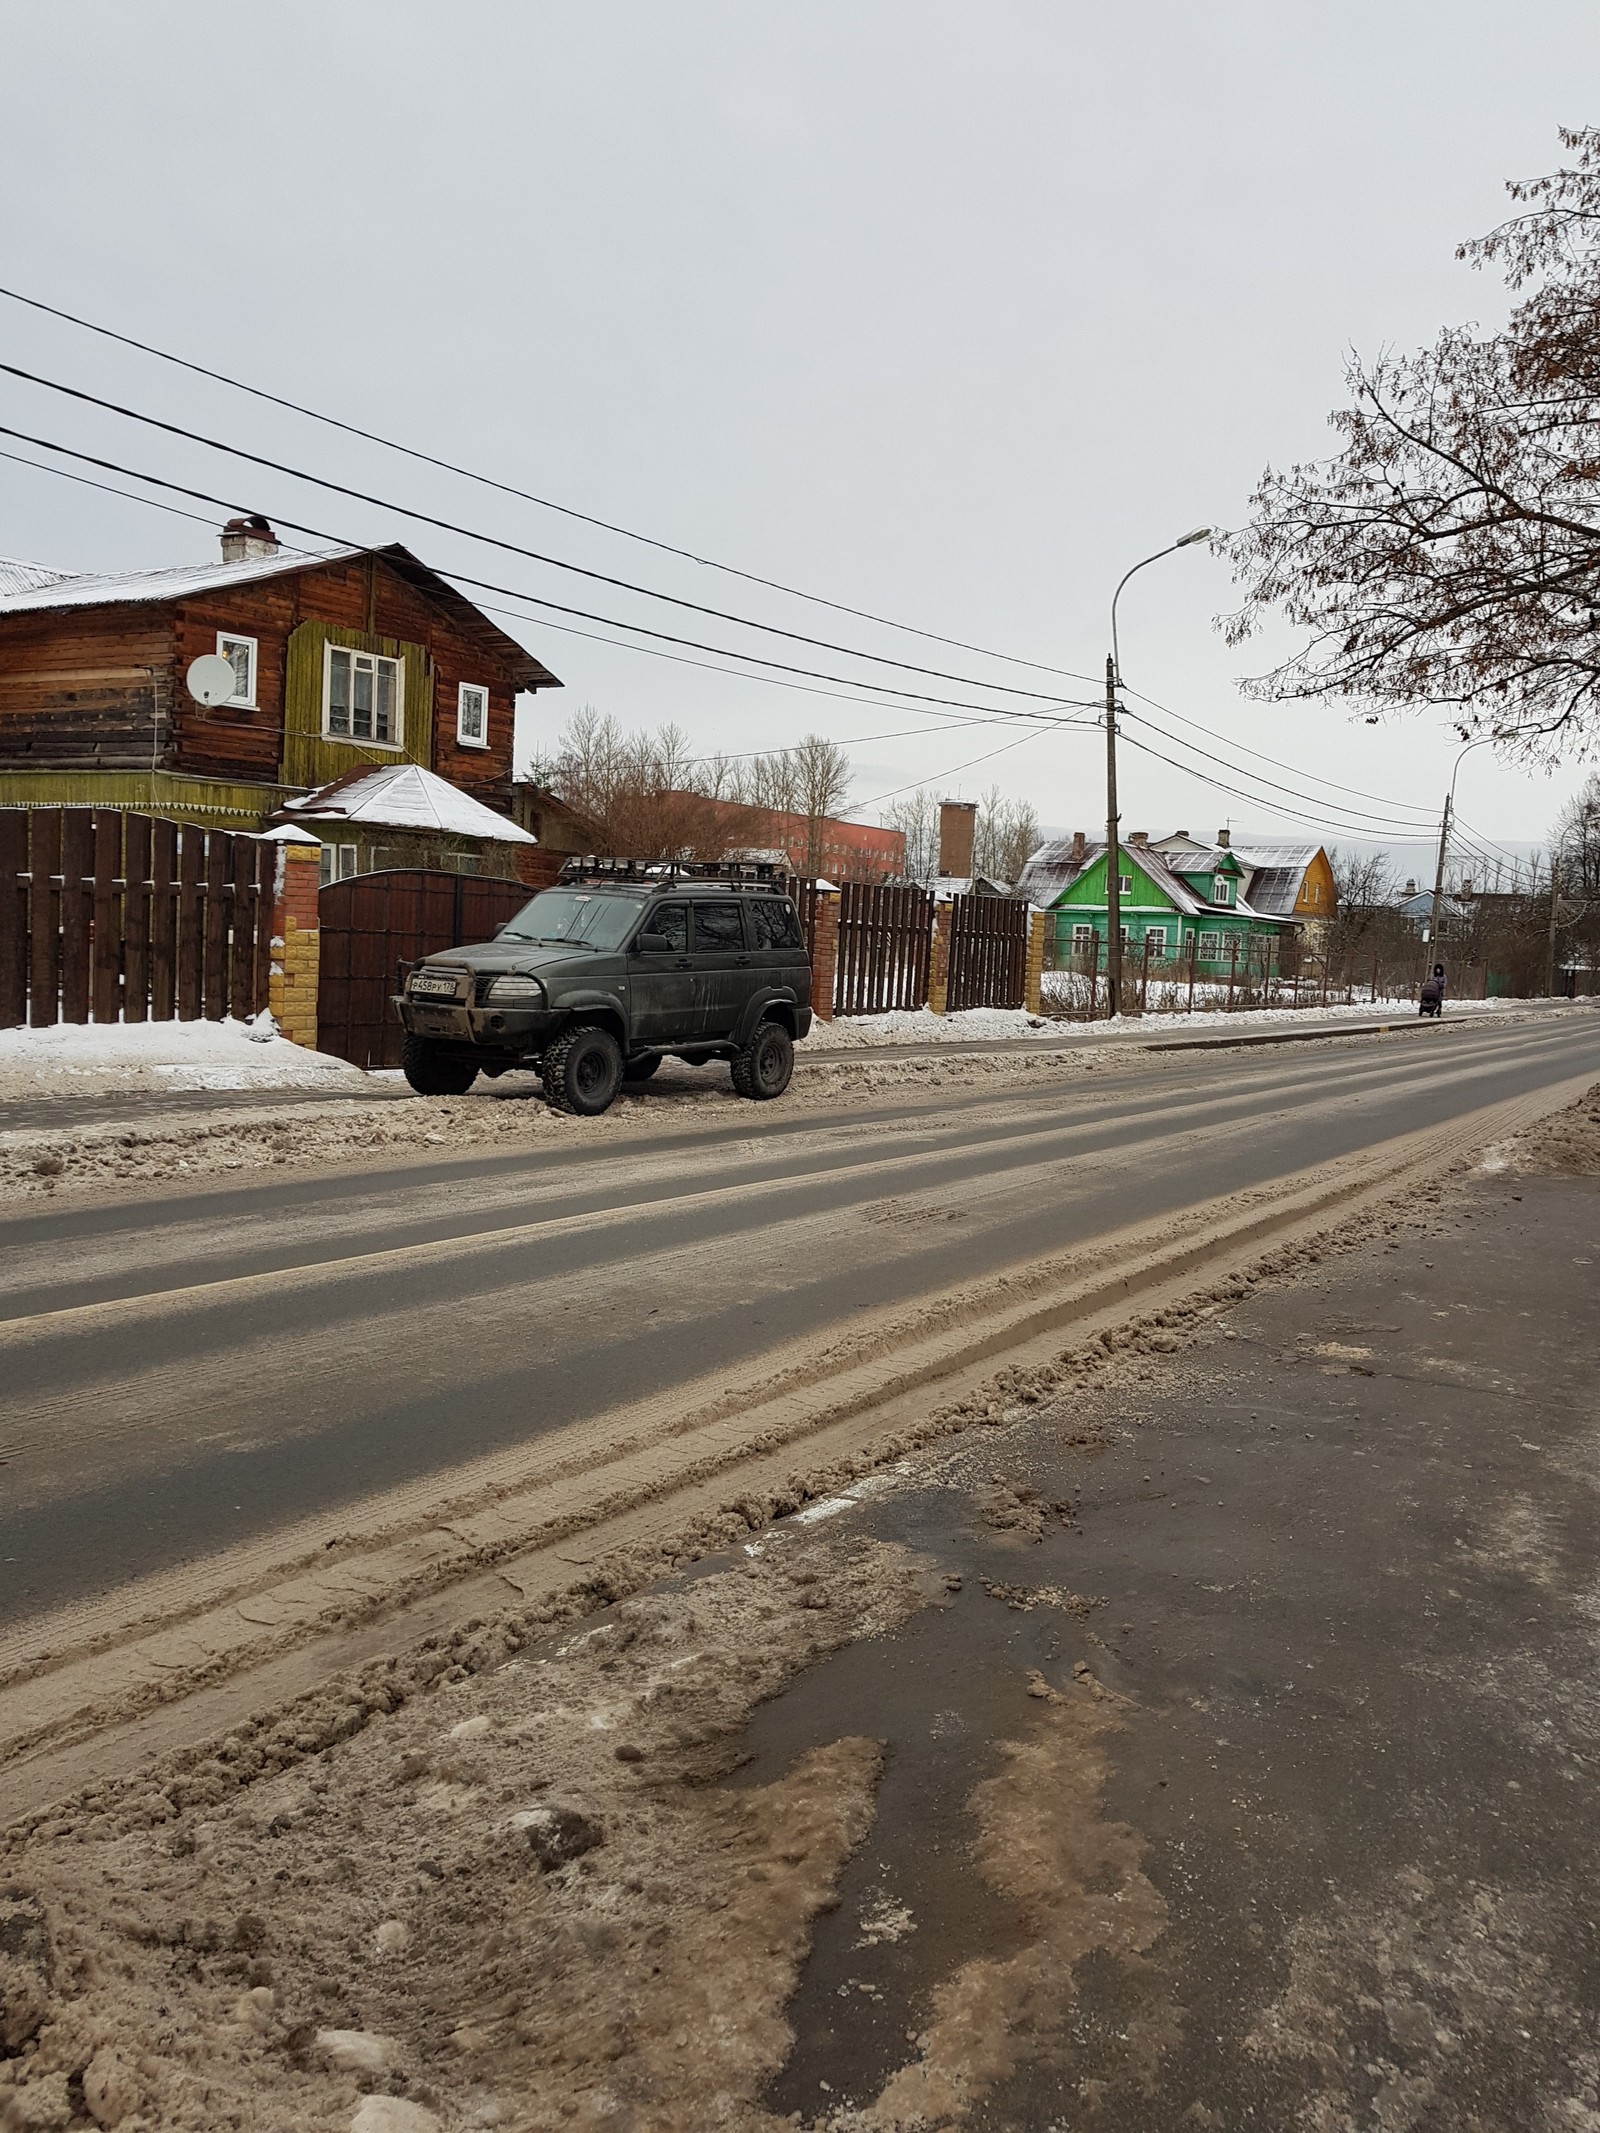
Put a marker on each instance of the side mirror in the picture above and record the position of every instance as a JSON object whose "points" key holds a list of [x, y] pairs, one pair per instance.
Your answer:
{"points": [[652, 944]]}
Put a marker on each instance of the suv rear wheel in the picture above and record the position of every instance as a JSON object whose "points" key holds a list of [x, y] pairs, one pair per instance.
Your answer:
{"points": [[763, 1068], [437, 1069], [583, 1071]]}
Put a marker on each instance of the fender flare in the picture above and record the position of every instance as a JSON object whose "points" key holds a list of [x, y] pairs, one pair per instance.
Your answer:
{"points": [[760, 1009]]}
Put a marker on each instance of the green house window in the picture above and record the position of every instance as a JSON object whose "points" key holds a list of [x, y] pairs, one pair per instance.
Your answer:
{"points": [[1125, 884], [1208, 947], [1082, 940], [1221, 889], [1156, 940], [363, 697]]}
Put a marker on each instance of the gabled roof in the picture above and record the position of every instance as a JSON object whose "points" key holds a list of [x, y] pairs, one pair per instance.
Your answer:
{"points": [[404, 796], [1277, 871], [1053, 869], [36, 590]]}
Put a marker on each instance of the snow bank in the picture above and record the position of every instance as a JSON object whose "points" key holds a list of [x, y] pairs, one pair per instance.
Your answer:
{"points": [[988, 1024], [95, 1058]]}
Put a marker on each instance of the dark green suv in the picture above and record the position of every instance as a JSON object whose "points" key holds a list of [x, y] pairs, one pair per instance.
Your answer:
{"points": [[599, 979]]}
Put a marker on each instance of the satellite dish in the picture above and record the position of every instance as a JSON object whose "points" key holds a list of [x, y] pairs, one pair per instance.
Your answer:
{"points": [[211, 679]]}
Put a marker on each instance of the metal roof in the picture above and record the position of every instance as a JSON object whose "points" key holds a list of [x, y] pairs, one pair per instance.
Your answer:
{"points": [[404, 796], [16, 576], [55, 591]]}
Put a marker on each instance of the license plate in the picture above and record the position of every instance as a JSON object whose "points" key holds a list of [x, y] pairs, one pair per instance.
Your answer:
{"points": [[435, 988]]}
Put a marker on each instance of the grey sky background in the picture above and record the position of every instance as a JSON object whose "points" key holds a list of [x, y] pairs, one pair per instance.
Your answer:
{"points": [[951, 312]]}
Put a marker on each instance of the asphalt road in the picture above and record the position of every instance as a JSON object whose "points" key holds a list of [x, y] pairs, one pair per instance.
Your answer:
{"points": [[183, 1372]]}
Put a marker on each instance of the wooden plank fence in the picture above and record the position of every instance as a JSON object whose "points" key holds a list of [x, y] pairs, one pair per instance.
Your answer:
{"points": [[988, 952], [885, 941], [107, 916]]}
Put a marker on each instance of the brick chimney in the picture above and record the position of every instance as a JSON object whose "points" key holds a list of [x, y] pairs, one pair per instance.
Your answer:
{"points": [[1184, 834], [1222, 839], [1138, 836], [247, 540], [958, 828], [1077, 848]]}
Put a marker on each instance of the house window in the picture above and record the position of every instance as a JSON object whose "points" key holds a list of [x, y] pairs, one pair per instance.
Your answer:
{"points": [[338, 862], [240, 653], [1221, 889], [1125, 884], [1083, 940], [1208, 947], [472, 715], [1156, 941], [363, 697]]}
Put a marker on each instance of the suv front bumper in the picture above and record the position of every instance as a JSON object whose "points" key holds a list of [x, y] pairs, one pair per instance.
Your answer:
{"points": [[494, 1029]]}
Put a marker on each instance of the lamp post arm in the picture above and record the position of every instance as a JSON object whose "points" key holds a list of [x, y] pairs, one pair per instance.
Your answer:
{"points": [[1116, 660]]}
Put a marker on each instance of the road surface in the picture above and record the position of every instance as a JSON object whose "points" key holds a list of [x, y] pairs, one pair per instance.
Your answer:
{"points": [[188, 1372]]}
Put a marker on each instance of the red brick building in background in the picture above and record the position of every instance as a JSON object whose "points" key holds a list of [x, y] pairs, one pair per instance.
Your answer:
{"points": [[826, 845]]}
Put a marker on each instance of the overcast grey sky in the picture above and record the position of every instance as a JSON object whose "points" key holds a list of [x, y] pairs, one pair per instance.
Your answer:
{"points": [[950, 312]]}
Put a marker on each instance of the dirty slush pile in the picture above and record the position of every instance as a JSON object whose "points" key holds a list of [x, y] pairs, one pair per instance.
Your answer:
{"points": [[183, 1148]]}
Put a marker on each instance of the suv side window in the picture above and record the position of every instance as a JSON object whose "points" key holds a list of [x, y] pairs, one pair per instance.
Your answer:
{"points": [[718, 926], [672, 920], [774, 922]]}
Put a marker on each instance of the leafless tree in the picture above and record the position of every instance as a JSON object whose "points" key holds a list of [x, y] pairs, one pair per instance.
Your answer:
{"points": [[1449, 555], [916, 816], [1007, 832]]}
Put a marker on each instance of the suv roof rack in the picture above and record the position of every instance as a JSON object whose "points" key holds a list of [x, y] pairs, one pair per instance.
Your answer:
{"points": [[733, 873]]}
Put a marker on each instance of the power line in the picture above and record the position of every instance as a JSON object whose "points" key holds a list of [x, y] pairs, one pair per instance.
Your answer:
{"points": [[545, 503], [939, 776], [1313, 776], [909, 697], [490, 540], [1276, 807]]}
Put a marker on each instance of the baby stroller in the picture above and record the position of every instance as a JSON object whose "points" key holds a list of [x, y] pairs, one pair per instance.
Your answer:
{"points": [[1430, 1001]]}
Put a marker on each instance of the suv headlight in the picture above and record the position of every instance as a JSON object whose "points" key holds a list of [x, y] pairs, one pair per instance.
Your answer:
{"points": [[514, 990]]}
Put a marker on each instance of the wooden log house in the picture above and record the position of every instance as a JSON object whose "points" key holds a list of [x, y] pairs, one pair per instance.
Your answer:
{"points": [[343, 661]]}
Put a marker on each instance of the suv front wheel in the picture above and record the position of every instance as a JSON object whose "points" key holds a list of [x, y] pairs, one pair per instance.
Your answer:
{"points": [[583, 1071], [437, 1069], [763, 1068]]}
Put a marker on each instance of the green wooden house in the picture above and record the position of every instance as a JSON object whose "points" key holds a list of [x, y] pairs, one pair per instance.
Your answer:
{"points": [[1192, 907]]}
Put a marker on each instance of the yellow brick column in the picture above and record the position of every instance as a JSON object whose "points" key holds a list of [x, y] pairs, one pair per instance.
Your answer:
{"points": [[939, 958], [296, 944], [1033, 984]]}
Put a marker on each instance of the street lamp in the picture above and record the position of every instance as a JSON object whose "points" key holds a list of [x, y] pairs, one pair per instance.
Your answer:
{"points": [[1500, 733], [1113, 852]]}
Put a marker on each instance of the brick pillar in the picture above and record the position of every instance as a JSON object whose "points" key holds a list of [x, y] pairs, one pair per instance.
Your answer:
{"points": [[825, 954], [1033, 984], [296, 944], [939, 958]]}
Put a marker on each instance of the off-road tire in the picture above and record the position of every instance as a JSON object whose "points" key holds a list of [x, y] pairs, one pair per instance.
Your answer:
{"points": [[583, 1071], [641, 1069], [762, 1070], [435, 1069]]}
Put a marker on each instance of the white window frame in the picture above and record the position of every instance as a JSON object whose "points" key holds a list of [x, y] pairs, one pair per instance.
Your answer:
{"points": [[1222, 888], [1158, 934], [1210, 947], [236, 702], [463, 738], [396, 746], [1124, 884], [1083, 939], [337, 862]]}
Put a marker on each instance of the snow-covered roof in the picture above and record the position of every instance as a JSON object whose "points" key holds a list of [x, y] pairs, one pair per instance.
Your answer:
{"points": [[17, 576], [35, 589], [59, 589], [1054, 867], [405, 796]]}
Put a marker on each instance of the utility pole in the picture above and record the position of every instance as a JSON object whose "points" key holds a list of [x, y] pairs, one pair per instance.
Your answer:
{"points": [[1550, 942], [1113, 853], [1438, 879]]}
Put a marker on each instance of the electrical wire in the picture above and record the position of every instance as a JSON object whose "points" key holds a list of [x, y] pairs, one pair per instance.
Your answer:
{"points": [[939, 776], [545, 503], [1315, 777], [1250, 799], [908, 698], [490, 540]]}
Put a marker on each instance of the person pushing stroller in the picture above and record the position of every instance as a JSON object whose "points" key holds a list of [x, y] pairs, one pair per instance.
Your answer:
{"points": [[1430, 1001]]}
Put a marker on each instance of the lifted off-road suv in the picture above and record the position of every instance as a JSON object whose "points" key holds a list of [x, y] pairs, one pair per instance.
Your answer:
{"points": [[599, 979]]}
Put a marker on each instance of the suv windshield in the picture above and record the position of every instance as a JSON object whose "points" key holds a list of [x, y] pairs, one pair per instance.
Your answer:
{"points": [[590, 921]]}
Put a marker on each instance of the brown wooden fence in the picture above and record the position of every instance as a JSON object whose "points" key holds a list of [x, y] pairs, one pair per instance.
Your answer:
{"points": [[375, 924], [885, 937], [107, 916], [988, 952]]}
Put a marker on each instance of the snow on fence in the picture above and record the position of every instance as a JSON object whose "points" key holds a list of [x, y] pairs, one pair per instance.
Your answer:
{"points": [[1260, 972], [107, 917]]}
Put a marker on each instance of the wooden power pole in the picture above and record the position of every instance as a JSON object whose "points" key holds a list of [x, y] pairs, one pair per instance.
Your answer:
{"points": [[1113, 853]]}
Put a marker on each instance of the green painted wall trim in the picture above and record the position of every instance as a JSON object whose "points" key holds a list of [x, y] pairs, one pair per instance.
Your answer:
{"points": [[308, 758], [173, 797]]}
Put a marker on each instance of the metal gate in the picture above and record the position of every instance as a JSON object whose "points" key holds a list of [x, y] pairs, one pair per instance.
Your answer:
{"points": [[988, 952], [372, 926]]}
